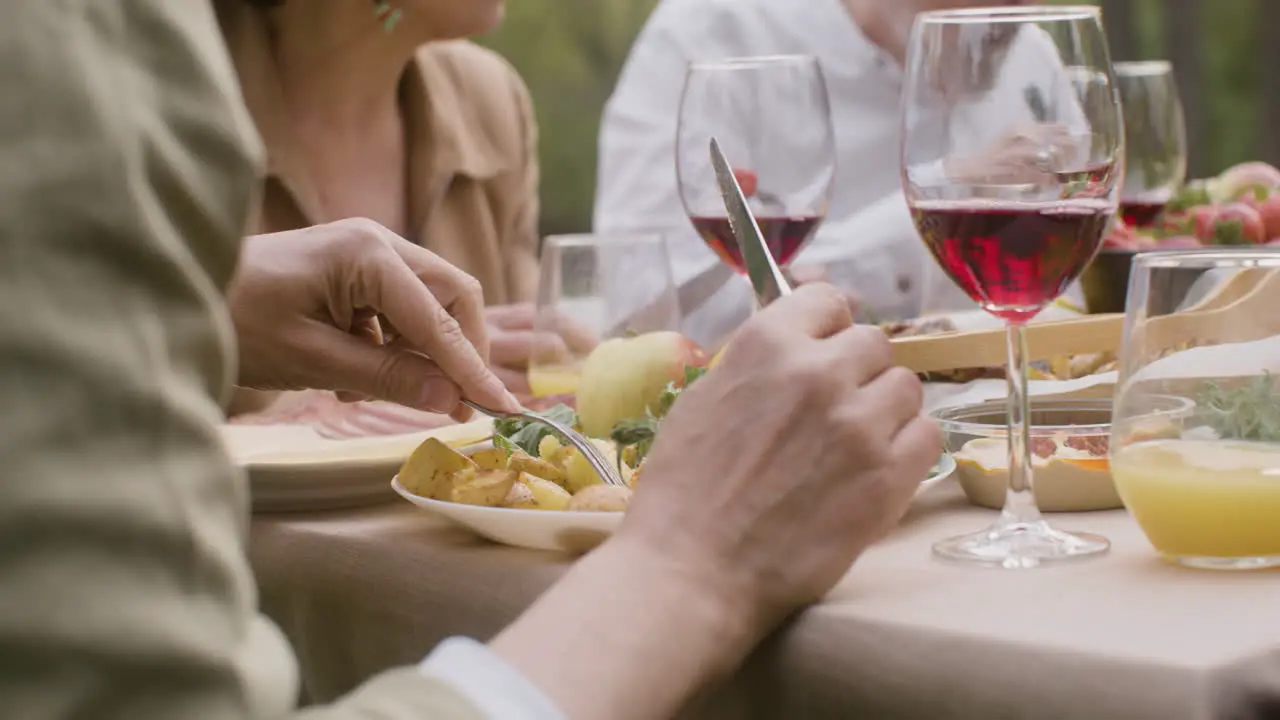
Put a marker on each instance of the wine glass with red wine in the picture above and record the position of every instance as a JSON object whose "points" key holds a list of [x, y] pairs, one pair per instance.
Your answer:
{"points": [[1156, 139], [772, 119], [1012, 170]]}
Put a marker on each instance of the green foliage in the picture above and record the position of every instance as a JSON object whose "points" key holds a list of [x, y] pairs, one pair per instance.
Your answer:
{"points": [[570, 53]]}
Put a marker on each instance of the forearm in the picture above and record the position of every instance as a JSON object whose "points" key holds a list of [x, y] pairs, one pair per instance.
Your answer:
{"points": [[626, 635]]}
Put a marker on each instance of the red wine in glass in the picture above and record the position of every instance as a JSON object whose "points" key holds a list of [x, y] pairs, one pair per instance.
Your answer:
{"points": [[1013, 259], [1140, 213], [784, 236]]}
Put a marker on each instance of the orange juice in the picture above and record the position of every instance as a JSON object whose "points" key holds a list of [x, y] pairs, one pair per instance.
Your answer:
{"points": [[1203, 498], [554, 380]]}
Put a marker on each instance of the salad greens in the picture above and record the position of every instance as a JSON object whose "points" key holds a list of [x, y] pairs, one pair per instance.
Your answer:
{"points": [[525, 435], [638, 433], [1248, 412]]}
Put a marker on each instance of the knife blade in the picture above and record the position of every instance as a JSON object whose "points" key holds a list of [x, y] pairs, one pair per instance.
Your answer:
{"points": [[766, 277]]}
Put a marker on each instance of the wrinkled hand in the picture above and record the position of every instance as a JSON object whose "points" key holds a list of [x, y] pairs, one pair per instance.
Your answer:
{"points": [[779, 467], [1026, 154], [351, 306], [515, 344]]}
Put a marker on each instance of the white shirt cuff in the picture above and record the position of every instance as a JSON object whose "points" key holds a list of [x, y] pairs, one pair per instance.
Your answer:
{"points": [[496, 689]]}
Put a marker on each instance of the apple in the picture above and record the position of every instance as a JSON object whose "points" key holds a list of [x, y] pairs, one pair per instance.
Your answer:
{"points": [[623, 377], [1255, 179]]}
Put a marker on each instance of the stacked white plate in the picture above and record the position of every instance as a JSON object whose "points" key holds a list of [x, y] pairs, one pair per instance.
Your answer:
{"points": [[292, 468]]}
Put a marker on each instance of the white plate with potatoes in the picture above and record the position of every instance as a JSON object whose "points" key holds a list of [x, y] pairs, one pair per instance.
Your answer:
{"points": [[557, 530], [552, 501]]}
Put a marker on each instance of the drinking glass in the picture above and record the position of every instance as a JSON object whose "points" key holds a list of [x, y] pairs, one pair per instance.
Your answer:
{"points": [[587, 294], [1203, 483], [1155, 139], [772, 119], [1011, 169]]}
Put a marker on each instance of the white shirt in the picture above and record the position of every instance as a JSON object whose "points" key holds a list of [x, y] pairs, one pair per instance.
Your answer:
{"points": [[497, 690], [868, 242]]}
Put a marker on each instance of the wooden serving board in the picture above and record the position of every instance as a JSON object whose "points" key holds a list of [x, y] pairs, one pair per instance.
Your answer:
{"points": [[987, 348]]}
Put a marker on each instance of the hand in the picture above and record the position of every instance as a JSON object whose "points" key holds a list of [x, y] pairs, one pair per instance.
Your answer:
{"points": [[311, 307], [514, 343], [769, 477], [777, 469], [1028, 154]]}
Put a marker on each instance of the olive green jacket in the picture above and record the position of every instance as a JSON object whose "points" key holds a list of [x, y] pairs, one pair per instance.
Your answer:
{"points": [[127, 168]]}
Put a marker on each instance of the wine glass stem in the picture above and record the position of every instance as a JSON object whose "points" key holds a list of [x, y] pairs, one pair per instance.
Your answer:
{"points": [[1020, 503]]}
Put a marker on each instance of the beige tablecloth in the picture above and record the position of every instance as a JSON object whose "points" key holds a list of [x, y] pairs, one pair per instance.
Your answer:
{"points": [[903, 636]]}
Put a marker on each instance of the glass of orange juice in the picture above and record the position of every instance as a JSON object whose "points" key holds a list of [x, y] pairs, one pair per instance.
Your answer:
{"points": [[1204, 484], [593, 288]]}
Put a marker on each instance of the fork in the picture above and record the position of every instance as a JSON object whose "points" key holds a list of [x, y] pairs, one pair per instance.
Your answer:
{"points": [[598, 462]]}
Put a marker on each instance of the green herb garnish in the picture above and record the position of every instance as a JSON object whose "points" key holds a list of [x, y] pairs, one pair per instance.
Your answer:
{"points": [[502, 443], [1247, 412], [526, 434], [640, 432]]}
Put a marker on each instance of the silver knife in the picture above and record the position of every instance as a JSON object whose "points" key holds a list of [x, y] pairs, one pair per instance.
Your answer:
{"points": [[766, 276]]}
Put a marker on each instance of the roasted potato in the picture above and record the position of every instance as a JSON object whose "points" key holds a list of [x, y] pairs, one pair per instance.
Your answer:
{"points": [[547, 494], [581, 475], [491, 459], [537, 466], [550, 449], [430, 469], [600, 498], [488, 488], [520, 497]]}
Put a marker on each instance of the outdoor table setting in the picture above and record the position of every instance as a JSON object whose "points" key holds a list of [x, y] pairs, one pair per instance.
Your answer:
{"points": [[1099, 538]]}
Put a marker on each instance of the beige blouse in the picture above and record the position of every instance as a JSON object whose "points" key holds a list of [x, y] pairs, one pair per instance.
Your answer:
{"points": [[472, 146]]}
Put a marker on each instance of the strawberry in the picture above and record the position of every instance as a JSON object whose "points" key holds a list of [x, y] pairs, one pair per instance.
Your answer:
{"points": [[1269, 209], [1238, 224], [1198, 221], [747, 180], [1179, 242]]}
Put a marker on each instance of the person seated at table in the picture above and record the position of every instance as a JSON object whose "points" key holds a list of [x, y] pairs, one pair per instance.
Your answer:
{"points": [[867, 244], [381, 111], [127, 593]]}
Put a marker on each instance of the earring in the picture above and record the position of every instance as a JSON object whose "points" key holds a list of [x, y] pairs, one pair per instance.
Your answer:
{"points": [[389, 15]]}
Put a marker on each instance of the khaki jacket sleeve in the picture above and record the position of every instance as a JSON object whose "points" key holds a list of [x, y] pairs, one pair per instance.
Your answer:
{"points": [[126, 176]]}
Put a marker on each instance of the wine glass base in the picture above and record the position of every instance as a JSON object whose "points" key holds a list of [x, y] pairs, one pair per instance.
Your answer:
{"points": [[1226, 563], [1019, 546]]}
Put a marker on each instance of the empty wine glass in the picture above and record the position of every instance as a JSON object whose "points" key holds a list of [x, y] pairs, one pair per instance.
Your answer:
{"points": [[1011, 168], [772, 119], [1155, 139], [586, 295]]}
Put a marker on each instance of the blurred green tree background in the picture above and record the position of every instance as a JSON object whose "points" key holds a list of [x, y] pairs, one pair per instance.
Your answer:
{"points": [[570, 53]]}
